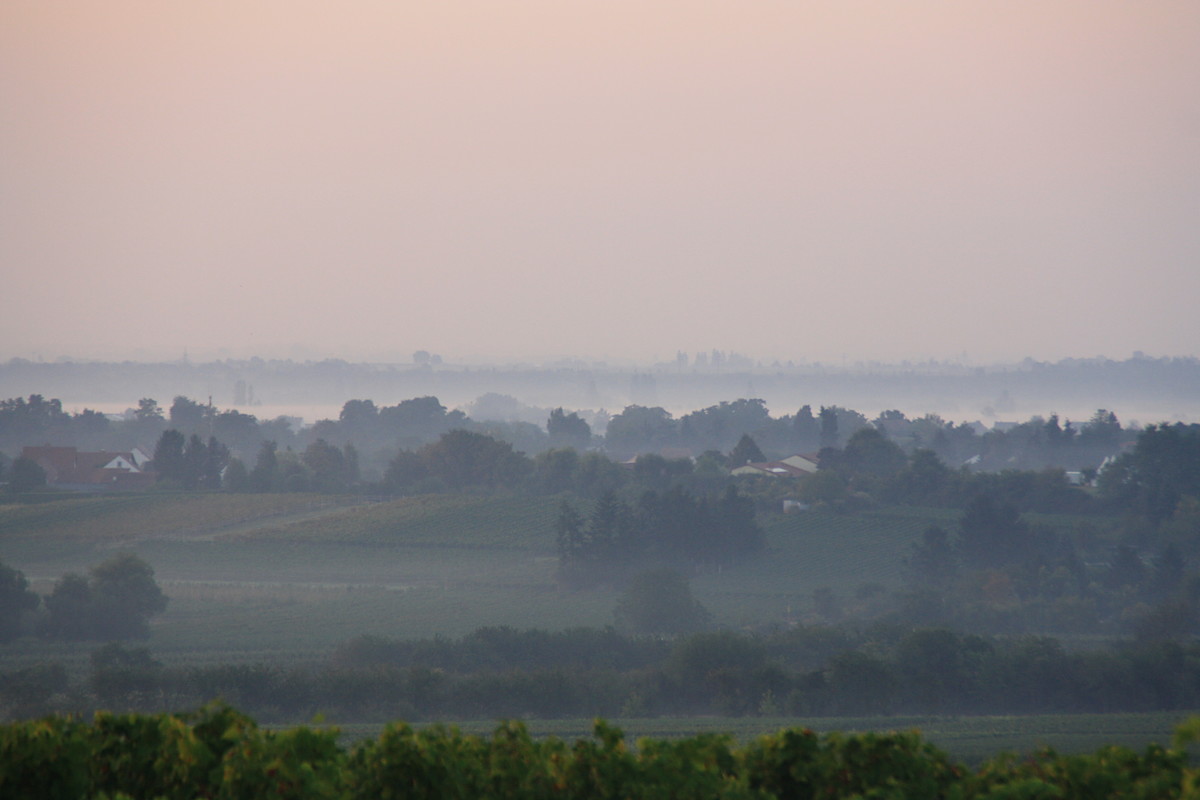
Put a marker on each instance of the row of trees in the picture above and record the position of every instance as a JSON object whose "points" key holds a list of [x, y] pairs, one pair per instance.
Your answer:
{"points": [[190, 462], [377, 431], [1035, 443], [38, 420], [1044, 584], [595, 673], [115, 600], [672, 527], [1151, 478]]}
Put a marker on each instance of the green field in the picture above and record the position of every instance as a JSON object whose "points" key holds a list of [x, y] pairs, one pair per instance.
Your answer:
{"points": [[284, 578]]}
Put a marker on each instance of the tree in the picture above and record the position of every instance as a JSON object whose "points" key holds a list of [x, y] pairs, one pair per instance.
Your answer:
{"points": [[216, 458], [652, 471], [405, 471], [15, 600], [823, 486], [610, 531], [568, 430], [597, 474], [869, 452], [806, 430], [732, 530], [924, 481], [360, 414], [571, 538], [1163, 467], [195, 459], [1101, 434], [90, 423], [418, 420], [613, 537], [237, 478], [638, 429], [189, 462], [118, 672], [719, 427], [148, 410], [239, 431], [265, 473], [70, 608], [293, 475], [938, 668], [660, 602], [34, 419], [554, 470], [933, 563], [992, 534], [720, 665], [568, 532], [169, 460], [350, 469], [124, 597], [745, 452], [861, 683], [462, 458], [186, 414], [116, 601], [328, 466], [25, 475], [829, 427]]}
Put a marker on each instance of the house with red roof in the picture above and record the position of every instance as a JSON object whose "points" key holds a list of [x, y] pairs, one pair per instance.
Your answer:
{"points": [[70, 468]]}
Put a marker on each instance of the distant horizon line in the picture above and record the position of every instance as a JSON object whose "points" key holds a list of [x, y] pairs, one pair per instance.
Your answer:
{"points": [[738, 362]]}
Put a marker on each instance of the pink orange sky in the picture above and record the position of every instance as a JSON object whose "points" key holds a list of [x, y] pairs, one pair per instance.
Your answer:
{"points": [[621, 180]]}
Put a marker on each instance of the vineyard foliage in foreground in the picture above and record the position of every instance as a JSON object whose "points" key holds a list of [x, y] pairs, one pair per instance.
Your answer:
{"points": [[218, 752]]}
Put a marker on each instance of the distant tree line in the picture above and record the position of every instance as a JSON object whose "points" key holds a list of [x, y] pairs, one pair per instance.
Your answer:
{"points": [[502, 672], [377, 432]]}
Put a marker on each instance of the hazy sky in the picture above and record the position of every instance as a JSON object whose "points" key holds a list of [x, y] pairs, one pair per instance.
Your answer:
{"points": [[793, 180]]}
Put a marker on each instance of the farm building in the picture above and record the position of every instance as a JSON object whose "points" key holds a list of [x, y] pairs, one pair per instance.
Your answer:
{"points": [[796, 466], [69, 468]]}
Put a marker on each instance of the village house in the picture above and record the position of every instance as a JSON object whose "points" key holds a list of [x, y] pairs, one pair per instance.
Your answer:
{"points": [[69, 468], [796, 466]]}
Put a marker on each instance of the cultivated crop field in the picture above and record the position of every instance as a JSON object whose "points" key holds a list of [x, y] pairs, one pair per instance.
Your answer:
{"points": [[850, 554], [521, 523], [279, 577], [283, 578], [969, 739]]}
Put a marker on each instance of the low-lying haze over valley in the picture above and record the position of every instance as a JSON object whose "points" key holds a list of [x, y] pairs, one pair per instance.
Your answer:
{"points": [[1141, 389]]}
